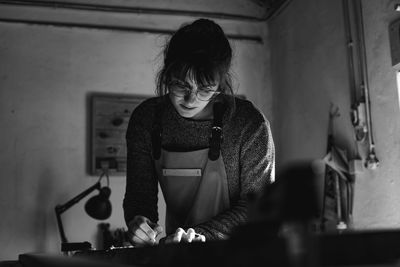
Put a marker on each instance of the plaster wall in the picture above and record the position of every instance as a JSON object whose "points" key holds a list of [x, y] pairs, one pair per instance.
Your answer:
{"points": [[310, 72], [46, 75]]}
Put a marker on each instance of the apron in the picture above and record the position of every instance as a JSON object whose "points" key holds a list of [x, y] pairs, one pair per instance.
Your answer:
{"points": [[195, 187]]}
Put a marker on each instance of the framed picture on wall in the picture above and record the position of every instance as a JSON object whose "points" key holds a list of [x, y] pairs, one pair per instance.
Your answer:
{"points": [[110, 114]]}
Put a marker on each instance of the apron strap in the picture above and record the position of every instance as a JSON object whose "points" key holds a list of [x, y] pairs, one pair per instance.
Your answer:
{"points": [[216, 131], [157, 132]]}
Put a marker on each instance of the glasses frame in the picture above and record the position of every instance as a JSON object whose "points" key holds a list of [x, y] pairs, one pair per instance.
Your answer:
{"points": [[189, 91]]}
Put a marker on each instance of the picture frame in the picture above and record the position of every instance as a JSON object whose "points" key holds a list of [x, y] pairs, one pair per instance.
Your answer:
{"points": [[110, 114]]}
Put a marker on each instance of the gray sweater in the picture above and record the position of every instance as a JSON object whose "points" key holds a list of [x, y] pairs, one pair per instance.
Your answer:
{"points": [[247, 150]]}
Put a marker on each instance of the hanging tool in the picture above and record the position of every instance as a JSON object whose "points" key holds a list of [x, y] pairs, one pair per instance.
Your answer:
{"points": [[372, 161], [361, 109]]}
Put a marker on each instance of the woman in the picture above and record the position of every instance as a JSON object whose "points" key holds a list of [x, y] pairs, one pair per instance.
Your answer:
{"points": [[206, 148]]}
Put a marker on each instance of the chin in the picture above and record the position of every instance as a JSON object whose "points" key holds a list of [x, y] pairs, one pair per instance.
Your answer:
{"points": [[187, 114]]}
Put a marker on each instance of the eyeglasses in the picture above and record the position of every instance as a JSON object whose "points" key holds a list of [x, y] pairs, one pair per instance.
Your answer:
{"points": [[180, 90]]}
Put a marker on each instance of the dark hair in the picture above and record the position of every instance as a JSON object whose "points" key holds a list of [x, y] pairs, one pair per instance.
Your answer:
{"points": [[201, 50]]}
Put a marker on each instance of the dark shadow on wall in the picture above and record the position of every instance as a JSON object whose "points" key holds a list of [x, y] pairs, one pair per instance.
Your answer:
{"points": [[43, 212]]}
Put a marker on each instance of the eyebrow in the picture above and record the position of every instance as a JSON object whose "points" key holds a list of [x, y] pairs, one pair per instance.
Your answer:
{"points": [[189, 86], [209, 85], [180, 82]]}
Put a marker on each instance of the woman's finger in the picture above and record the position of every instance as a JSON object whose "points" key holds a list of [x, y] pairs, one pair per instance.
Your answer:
{"points": [[137, 241], [142, 235], [148, 231], [136, 227], [178, 235], [199, 238], [190, 234], [156, 228]]}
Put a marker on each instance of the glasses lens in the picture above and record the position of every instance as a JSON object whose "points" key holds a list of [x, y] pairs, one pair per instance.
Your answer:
{"points": [[205, 95], [180, 90]]}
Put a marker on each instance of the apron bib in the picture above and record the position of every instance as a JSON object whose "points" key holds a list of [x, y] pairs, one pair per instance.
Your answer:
{"points": [[195, 188]]}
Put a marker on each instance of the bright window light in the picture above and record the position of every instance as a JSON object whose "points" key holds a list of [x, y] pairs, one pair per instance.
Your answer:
{"points": [[398, 86]]}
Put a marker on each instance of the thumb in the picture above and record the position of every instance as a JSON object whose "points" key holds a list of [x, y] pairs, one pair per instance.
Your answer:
{"points": [[156, 227]]}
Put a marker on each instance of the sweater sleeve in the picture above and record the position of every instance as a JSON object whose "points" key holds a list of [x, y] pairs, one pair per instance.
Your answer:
{"points": [[141, 183], [257, 169]]}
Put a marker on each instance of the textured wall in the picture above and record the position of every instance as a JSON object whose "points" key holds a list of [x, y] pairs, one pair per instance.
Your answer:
{"points": [[309, 70], [46, 74], [377, 193]]}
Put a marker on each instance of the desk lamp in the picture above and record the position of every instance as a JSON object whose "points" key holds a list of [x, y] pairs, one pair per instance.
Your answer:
{"points": [[97, 207]]}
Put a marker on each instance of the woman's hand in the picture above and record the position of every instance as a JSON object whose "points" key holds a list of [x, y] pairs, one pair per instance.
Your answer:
{"points": [[142, 231], [186, 237]]}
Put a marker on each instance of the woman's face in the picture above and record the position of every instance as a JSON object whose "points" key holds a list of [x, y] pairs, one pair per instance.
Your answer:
{"points": [[187, 104]]}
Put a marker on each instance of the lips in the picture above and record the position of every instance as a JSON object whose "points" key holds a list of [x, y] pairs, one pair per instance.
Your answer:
{"points": [[187, 108]]}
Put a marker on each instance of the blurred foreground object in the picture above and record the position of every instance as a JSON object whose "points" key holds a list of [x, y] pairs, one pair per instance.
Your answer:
{"points": [[286, 210], [291, 198]]}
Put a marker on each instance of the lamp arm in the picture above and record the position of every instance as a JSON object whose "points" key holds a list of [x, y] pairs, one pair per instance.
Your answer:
{"points": [[60, 226], [59, 209]]}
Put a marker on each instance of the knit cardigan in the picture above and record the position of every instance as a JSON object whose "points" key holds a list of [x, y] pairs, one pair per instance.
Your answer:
{"points": [[247, 150]]}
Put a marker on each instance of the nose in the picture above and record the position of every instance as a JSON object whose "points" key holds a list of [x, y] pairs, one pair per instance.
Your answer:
{"points": [[190, 97]]}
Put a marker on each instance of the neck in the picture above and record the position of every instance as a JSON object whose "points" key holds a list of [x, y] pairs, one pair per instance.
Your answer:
{"points": [[206, 113]]}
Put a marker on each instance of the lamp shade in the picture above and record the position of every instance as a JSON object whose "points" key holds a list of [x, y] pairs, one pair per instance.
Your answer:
{"points": [[99, 206]]}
